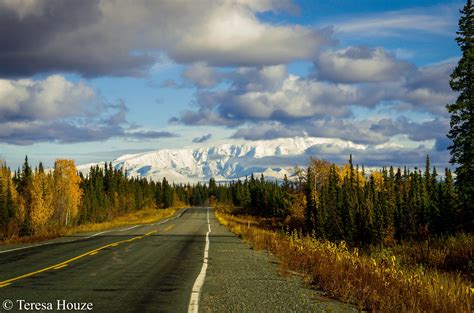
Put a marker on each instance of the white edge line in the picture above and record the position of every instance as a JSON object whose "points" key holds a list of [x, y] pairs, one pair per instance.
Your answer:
{"points": [[196, 291], [130, 228], [97, 234], [102, 232]]}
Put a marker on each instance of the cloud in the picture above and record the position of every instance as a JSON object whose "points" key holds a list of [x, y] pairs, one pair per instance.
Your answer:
{"points": [[436, 128], [269, 93], [57, 110], [373, 156], [48, 99], [358, 132], [361, 64], [268, 102], [439, 20], [202, 138], [201, 75], [150, 134], [429, 88], [267, 131], [96, 38]]}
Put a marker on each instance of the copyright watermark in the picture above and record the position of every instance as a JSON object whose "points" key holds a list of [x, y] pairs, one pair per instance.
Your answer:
{"points": [[58, 305], [7, 305]]}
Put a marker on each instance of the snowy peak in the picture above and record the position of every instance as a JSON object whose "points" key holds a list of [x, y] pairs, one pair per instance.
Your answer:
{"points": [[229, 161]]}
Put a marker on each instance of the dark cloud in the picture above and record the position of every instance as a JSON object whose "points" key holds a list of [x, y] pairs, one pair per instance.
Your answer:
{"points": [[202, 139], [123, 38], [361, 132], [436, 128], [57, 36], [143, 135], [357, 132]]}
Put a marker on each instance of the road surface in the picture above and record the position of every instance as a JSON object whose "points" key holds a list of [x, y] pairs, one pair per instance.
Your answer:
{"points": [[150, 268]]}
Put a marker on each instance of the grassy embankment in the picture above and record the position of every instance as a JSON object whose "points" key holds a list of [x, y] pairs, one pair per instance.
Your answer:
{"points": [[144, 216], [380, 282]]}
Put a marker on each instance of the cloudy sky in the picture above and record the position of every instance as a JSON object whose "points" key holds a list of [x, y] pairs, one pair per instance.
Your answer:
{"points": [[95, 79]]}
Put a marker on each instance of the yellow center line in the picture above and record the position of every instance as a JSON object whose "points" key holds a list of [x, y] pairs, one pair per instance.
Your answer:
{"points": [[65, 263], [60, 267], [169, 228]]}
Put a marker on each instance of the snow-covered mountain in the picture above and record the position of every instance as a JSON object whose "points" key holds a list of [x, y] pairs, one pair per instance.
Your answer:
{"points": [[226, 161]]}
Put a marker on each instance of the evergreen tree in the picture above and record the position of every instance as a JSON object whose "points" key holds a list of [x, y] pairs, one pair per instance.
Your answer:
{"points": [[462, 112]]}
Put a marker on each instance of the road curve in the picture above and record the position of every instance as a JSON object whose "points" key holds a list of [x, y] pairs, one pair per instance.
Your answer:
{"points": [[149, 268]]}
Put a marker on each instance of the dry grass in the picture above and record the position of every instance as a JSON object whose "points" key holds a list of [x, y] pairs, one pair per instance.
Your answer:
{"points": [[144, 216], [453, 253], [370, 284]]}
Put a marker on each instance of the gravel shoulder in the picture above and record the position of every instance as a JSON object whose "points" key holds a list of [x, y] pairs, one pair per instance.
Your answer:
{"points": [[240, 279]]}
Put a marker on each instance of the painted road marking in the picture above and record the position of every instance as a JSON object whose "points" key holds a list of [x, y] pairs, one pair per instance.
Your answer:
{"points": [[21, 248], [168, 228], [195, 293], [60, 267], [50, 243], [91, 236], [130, 228], [65, 263], [103, 232], [4, 285]]}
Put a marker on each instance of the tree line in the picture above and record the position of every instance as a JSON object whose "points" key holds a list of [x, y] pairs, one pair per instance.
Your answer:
{"points": [[345, 203], [360, 207], [38, 201], [330, 201]]}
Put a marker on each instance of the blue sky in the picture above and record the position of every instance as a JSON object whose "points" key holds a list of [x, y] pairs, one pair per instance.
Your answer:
{"points": [[92, 80]]}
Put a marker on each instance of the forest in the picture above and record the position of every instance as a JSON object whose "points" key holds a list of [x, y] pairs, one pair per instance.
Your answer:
{"points": [[330, 201]]}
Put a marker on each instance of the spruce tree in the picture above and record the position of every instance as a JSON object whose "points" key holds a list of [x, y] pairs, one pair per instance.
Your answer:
{"points": [[462, 111]]}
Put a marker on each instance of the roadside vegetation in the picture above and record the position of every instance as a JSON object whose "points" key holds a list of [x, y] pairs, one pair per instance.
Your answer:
{"points": [[378, 283]]}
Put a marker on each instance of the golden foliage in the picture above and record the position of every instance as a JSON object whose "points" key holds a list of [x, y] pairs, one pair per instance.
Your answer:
{"points": [[378, 180], [41, 206], [67, 193], [345, 172]]}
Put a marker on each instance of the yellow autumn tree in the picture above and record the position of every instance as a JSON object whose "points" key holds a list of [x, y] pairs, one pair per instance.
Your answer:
{"points": [[378, 178], [41, 210], [67, 191], [11, 213], [345, 172]]}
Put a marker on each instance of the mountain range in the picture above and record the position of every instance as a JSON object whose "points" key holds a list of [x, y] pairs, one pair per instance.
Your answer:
{"points": [[224, 161]]}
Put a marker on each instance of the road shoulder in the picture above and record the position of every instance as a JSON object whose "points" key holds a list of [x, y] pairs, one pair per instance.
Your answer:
{"points": [[240, 279]]}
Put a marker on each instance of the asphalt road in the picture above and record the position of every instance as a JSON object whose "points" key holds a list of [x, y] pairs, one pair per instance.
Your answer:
{"points": [[149, 268]]}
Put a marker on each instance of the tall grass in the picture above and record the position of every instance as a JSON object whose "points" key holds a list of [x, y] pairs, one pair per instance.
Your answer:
{"points": [[375, 285], [453, 253]]}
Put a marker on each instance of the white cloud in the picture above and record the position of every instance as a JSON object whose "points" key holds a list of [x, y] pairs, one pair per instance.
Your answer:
{"points": [[51, 98], [57, 110], [361, 64], [436, 20]]}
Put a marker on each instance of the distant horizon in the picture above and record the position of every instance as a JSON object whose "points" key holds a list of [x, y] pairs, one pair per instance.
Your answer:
{"points": [[268, 161]]}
